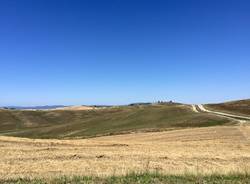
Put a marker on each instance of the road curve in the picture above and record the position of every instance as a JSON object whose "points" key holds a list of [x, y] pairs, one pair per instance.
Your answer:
{"points": [[195, 109], [202, 108]]}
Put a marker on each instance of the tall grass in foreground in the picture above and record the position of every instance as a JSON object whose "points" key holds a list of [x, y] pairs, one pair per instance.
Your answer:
{"points": [[140, 178]]}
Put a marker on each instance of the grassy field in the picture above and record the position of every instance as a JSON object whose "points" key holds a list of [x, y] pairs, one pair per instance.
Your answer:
{"points": [[240, 107], [164, 143], [197, 151], [109, 121], [143, 178]]}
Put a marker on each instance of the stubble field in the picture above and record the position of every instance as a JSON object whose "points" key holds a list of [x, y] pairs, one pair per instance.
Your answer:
{"points": [[209, 150]]}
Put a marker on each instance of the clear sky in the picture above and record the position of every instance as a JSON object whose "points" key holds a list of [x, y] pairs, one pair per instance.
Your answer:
{"points": [[122, 51]]}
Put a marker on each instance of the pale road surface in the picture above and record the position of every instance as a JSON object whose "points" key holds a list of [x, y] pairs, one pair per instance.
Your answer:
{"points": [[194, 108], [202, 108]]}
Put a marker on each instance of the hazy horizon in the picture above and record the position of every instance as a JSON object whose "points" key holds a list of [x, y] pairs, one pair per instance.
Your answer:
{"points": [[117, 52], [110, 104]]}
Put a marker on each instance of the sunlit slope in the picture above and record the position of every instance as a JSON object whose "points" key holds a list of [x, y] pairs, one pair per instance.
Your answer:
{"points": [[82, 124], [197, 151], [240, 107]]}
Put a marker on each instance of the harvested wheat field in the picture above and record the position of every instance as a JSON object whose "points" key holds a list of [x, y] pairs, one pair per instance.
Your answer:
{"points": [[221, 149]]}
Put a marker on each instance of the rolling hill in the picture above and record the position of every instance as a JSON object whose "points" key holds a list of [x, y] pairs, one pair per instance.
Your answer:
{"points": [[108, 121], [240, 107], [192, 145]]}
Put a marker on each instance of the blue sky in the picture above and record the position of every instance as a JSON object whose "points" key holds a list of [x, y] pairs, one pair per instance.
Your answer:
{"points": [[122, 51]]}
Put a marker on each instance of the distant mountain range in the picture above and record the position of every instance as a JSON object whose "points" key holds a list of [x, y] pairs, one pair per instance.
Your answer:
{"points": [[34, 107]]}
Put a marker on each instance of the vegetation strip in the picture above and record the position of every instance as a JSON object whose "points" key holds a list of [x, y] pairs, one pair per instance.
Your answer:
{"points": [[145, 178]]}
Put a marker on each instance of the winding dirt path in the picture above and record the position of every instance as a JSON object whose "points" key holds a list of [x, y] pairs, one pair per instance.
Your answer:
{"points": [[195, 109], [242, 118]]}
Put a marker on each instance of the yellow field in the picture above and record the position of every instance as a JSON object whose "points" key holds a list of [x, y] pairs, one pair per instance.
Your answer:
{"points": [[199, 150]]}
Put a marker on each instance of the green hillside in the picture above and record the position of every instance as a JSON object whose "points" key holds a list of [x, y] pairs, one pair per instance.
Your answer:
{"points": [[240, 107], [82, 124]]}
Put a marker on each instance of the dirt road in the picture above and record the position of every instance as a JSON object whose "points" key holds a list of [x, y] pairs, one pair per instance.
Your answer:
{"points": [[195, 109], [202, 108]]}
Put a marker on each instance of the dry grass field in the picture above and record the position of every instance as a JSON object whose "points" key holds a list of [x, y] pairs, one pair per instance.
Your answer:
{"points": [[220, 149], [75, 108]]}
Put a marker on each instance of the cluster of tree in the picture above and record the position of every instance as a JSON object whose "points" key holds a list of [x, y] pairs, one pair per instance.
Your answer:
{"points": [[9, 108], [140, 103], [149, 103], [165, 102], [99, 106]]}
